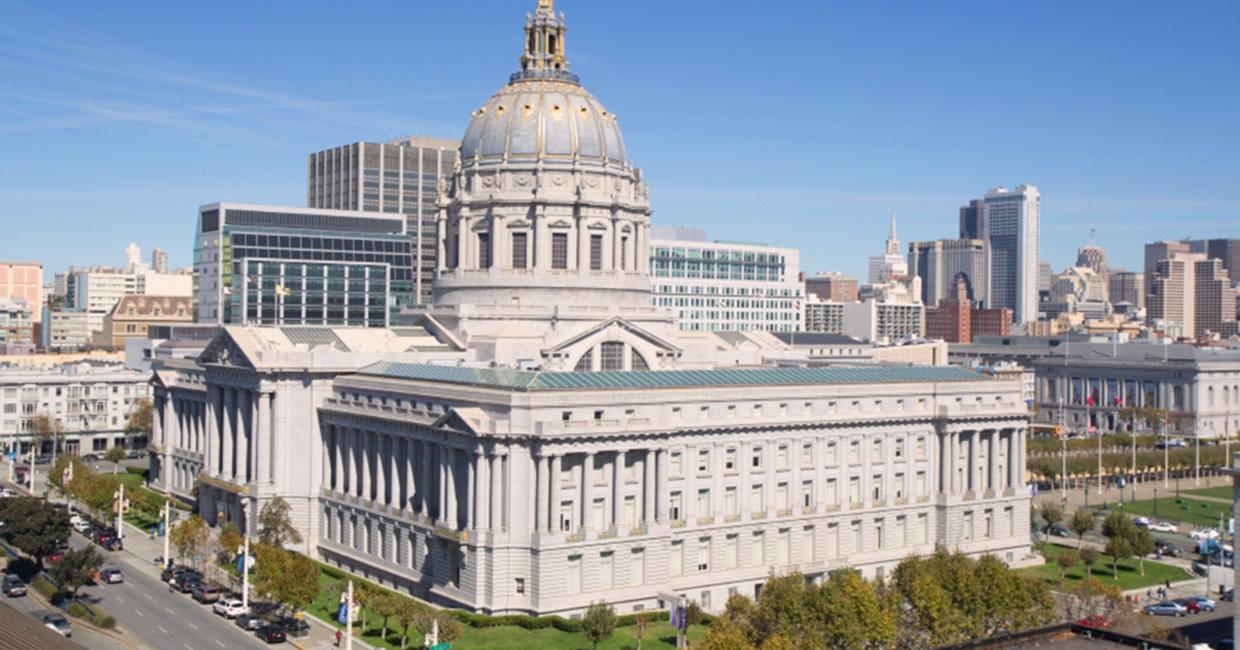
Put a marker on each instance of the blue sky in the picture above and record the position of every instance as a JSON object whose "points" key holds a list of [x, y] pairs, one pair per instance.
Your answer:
{"points": [[801, 123]]}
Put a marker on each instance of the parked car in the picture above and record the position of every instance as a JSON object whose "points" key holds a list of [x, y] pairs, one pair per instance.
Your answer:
{"points": [[182, 575], [1168, 548], [55, 556], [271, 634], [229, 608], [1142, 522], [1060, 531], [13, 586], [134, 454], [1228, 596], [1197, 603], [1096, 621], [111, 575], [8, 492], [249, 622], [186, 585], [205, 593], [58, 624], [90, 458], [294, 627], [1166, 608], [43, 459], [1163, 527]]}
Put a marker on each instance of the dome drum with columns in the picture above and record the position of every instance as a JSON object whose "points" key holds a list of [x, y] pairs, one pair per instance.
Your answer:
{"points": [[544, 208]]}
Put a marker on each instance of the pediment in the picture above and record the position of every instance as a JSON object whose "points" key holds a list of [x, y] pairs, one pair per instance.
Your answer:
{"points": [[618, 325], [462, 420], [224, 351]]}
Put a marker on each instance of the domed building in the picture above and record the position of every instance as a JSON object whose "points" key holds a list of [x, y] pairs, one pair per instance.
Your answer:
{"points": [[545, 228]]}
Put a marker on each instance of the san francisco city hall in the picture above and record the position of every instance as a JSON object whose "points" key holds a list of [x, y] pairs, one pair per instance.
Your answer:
{"points": [[541, 437]]}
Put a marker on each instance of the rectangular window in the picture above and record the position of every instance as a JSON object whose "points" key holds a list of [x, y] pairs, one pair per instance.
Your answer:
{"points": [[637, 566], [703, 461], [879, 542], [630, 511], [899, 485], [574, 574], [1010, 515], [855, 529], [520, 250], [989, 526], [854, 452], [833, 541], [703, 503], [831, 497], [755, 498], [559, 250], [920, 487], [566, 516], [921, 448], [674, 467], [968, 526], [781, 496], [675, 506], [782, 457], [832, 454], [596, 252], [729, 459], [484, 250], [876, 451], [807, 455], [923, 529], [854, 490], [877, 483], [729, 501], [606, 570], [899, 453], [783, 547], [703, 555], [676, 558], [757, 548], [731, 551], [807, 494], [811, 551], [756, 459], [901, 534]]}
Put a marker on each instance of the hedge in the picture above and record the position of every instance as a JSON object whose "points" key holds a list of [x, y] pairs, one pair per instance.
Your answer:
{"points": [[44, 586], [105, 621], [76, 610]]}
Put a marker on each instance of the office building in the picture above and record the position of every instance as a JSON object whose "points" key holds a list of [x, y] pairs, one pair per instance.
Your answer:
{"points": [[23, 281], [971, 216], [832, 286], [133, 259], [542, 437], [133, 316], [1045, 277], [1011, 224], [96, 290], [882, 321], [890, 265], [17, 328], [92, 401], [957, 320], [1155, 253], [824, 317], [943, 262], [294, 266], [725, 286], [1195, 292], [402, 176], [1214, 298], [159, 261], [1126, 287], [69, 330], [1093, 257]]}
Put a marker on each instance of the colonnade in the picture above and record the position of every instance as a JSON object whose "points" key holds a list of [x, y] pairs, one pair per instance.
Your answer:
{"points": [[961, 473], [232, 427]]}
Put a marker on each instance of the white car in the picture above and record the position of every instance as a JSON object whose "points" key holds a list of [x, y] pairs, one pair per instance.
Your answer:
{"points": [[1162, 527], [1205, 533], [229, 608], [8, 492]]}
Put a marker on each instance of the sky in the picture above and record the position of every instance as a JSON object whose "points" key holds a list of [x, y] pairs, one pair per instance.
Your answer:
{"points": [[797, 123]]}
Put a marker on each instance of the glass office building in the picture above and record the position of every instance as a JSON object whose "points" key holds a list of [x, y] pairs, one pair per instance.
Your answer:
{"points": [[298, 266]]}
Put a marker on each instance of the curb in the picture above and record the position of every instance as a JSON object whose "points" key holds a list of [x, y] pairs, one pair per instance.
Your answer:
{"points": [[115, 636]]}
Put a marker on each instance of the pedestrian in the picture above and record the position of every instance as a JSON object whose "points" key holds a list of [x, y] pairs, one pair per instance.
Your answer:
{"points": [[1149, 594], [339, 635]]}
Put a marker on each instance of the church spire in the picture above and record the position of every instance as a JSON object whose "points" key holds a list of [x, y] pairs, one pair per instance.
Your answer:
{"points": [[544, 56], [893, 243]]}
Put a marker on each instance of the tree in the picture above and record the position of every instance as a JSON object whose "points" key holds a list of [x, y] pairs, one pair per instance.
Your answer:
{"points": [[855, 615], [1082, 522], [641, 623], [386, 605], [1066, 560], [300, 584], [231, 543], [189, 537], [599, 622], [34, 526], [1119, 531], [48, 428], [725, 635], [1089, 557], [1051, 514], [450, 629], [407, 612], [140, 420], [1118, 548], [115, 455], [275, 527], [77, 568], [1141, 542]]}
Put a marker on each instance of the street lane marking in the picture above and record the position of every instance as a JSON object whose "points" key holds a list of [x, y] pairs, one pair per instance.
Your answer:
{"points": [[139, 612], [217, 642], [148, 596], [187, 646], [161, 629], [122, 600], [170, 611], [195, 626]]}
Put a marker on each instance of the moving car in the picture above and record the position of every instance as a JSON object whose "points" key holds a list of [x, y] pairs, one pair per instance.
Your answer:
{"points": [[1168, 548], [8, 492], [13, 586], [1197, 603], [205, 593], [1166, 608], [1163, 527], [228, 608], [1060, 531], [1228, 596], [271, 634], [111, 575], [1204, 533], [58, 624], [249, 622], [1143, 522], [294, 627]]}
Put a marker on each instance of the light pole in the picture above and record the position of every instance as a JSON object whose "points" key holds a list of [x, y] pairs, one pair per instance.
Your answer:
{"points": [[32, 468], [1197, 462], [120, 509], [1063, 440], [1155, 503], [348, 619], [245, 561], [1166, 453], [167, 528]]}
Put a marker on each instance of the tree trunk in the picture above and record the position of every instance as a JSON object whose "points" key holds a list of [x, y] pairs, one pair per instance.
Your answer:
{"points": [[1141, 562]]}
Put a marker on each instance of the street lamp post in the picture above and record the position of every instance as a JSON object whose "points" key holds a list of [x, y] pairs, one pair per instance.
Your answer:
{"points": [[167, 528], [1197, 438], [1155, 503], [348, 618], [245, 560]]}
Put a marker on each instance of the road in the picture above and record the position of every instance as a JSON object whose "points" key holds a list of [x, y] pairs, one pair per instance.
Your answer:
{"points": [[162, 619], [34, 605]]}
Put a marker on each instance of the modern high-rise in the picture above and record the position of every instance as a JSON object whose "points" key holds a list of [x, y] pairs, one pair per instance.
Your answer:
{"points": [[725, 286], [159, 261], [1093, 257], [1214, 297], [1010, 229], [1126, 286], [133, 259], [1194, 291], [832, 286], [401, 176], [971, 219], [300, 266], [940, 263], [890, 265], [1155, 253]]}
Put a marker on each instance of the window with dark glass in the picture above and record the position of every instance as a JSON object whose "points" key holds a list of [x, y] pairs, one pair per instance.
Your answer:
{"points": [[596, 252], [559, 250], [518, 250], [484, 250]]}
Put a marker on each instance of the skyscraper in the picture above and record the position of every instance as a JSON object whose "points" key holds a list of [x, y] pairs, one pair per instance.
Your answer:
{"points": [[941, 262], [402, 176], [832, 286], [1126, 286], [971, 219], [890, 264], [1092, 256], [1010, 230], [133, 258], [159, 261], [1155, 253]]}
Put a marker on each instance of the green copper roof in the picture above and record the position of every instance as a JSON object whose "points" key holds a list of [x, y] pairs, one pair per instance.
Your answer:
{"points": [[536, 380]]}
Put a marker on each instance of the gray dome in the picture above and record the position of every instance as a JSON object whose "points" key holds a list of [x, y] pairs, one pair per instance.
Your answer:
{"points": [[551, 120]]}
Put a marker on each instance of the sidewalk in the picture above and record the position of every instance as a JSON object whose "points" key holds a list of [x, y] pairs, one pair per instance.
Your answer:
{"points": [[321, 637]]}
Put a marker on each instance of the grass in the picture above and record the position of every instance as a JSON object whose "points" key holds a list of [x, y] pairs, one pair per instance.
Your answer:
{"points": [[1189, 511], [1219, 492], [659, 635], [1128, 577]]}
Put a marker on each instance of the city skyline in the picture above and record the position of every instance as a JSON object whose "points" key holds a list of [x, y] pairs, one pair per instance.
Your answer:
{"points": [[178, 130]]}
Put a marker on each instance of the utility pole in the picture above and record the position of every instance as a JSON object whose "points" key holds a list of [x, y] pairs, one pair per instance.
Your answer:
{"points": [[120, 509], [167, 528], [1063, 440], [245, 561], [348, 619]]}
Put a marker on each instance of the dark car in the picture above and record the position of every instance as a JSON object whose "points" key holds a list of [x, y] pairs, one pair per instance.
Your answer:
{"points": [[1060, 531], [205, 593], [1168, 548], [294, 627], [249, 622], [135, 454], [271, 634], [90, 458], [1228, 596], [42, 459], [187, 585], [182, 575]]}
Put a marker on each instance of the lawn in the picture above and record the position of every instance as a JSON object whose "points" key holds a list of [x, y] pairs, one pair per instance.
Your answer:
{"points": [[1189, 511], [1130, 577], [1220, 492], [659, 636]]}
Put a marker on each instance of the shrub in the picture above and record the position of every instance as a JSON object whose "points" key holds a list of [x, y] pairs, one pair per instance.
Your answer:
{"points": [[140, 471], [44, 586], [76, 610], [105, 621]]}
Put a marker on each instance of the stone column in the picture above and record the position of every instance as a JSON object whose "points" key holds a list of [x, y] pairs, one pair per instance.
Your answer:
{"points": [[426, 479], [441, 491], [263, 461], [411, 483], [496, 502], [688, 464], [954, 461], [230, 458], [794, 483], [649, 487], [660, 486], [992, 456], [553, 491], [820, 475], [453, 518], [743, 490], [1010, 435], [1021, 446], [480, 497], [364, 446], [471, 489], [971, 472], [540, 494], [716, 487], [587, 491], [770, 450], [617, 494]]}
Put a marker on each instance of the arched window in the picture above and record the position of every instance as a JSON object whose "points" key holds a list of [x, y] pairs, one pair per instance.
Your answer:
{"points": [[612, 356], [586, 362], [639, 362]]}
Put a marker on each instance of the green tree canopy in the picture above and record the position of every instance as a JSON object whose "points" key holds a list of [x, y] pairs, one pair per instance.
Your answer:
{"points": [[34, 526], [77, 568], [275, 526], [189, 538], [1082, 522], [599, 623]]}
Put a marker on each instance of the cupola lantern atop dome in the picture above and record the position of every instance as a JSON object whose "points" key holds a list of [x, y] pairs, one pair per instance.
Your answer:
{"points": [[544, 57]]}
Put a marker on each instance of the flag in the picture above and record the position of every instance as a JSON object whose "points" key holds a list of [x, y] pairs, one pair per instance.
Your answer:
{"points": [[283, 291], [251, 279]]}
